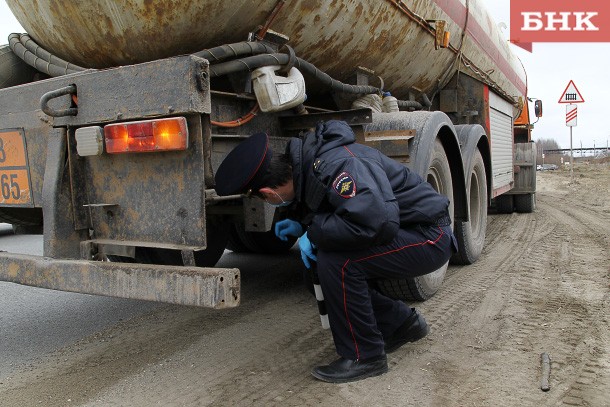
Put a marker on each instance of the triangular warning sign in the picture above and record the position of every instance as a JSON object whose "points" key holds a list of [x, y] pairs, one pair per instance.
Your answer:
{"points": [[571, 94]]}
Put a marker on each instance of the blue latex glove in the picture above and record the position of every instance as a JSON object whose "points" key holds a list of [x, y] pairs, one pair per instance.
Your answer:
{"points": [[287, 227], [307, 250]]}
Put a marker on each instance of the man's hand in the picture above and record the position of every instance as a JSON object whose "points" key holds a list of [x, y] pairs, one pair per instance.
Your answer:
{"points": [[287, 227], [307, 250]]}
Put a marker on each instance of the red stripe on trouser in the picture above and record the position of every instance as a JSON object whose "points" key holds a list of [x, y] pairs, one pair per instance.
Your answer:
{"points": [[351, 328]]}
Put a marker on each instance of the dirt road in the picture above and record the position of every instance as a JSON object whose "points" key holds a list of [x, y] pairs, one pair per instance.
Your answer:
{"points": [[541, 285]]}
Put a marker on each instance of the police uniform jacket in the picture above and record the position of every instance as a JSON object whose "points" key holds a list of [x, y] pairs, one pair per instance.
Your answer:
{"points": [[357, 197]]}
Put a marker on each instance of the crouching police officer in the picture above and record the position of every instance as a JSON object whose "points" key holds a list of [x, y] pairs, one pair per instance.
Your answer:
{"points": [[367, 217]]}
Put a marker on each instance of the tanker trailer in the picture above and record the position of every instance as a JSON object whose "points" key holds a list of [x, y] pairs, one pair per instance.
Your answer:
{"points": [[116, 116]]}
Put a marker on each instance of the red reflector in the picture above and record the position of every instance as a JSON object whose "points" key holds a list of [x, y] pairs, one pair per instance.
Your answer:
{"points": [[146, 136]]}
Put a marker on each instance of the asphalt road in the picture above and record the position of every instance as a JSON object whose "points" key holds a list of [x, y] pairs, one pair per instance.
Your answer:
{"points": [[35, 322]]}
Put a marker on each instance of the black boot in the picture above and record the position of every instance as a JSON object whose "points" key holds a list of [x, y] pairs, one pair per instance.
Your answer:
{"points": [[413, 329], [345, 370]]}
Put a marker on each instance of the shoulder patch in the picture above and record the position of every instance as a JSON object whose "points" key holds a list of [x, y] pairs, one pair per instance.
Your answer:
{"points": [[345, 186]]}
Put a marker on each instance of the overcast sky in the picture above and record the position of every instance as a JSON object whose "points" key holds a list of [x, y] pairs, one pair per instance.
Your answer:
{"points": [[550, 67]]}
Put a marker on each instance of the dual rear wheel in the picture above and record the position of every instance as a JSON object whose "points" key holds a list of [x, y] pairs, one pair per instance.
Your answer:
{"points": [[423, 287], [469, 235]]}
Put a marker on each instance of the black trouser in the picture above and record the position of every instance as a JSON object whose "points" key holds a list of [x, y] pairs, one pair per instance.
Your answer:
{"points": [[361, 317]]}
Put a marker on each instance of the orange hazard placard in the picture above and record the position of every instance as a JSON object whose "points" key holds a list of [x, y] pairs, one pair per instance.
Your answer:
{"points": [[15, 188]]}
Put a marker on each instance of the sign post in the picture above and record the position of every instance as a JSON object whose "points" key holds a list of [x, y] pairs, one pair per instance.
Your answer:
{"points": [[570, 96]]}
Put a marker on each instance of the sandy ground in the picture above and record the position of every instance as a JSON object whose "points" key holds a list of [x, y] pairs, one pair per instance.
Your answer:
{"points": [[541, 285]]}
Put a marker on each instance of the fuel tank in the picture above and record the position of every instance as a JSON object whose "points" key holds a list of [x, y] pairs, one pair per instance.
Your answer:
{"points": [[393, 38]]}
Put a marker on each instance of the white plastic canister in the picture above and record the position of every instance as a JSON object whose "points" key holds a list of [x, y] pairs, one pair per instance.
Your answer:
{"points": [[274, 92]]}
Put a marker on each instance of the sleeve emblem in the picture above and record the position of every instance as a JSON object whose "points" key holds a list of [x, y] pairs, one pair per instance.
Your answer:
{"points": [[345, 186]]}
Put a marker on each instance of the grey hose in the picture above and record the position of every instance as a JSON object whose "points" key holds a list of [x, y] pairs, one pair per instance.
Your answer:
{"points": [[235, 50], [426, 100], [25, 48], [36, 56], [410, 104], [251, 63]]}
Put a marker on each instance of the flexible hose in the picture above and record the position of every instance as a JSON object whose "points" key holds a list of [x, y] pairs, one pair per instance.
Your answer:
{"points": [[251, 63], [426, 100], [32, 54], [40, 52], [261, 55], [36, 56], [410, 104], [235, 50]]}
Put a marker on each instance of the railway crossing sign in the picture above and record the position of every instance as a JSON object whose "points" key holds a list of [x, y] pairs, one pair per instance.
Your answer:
{"points": [[571, 115], [571, 94]]}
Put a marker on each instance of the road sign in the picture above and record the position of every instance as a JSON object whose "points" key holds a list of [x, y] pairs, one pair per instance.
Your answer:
{"points": [[571, 115], [571, 94]]}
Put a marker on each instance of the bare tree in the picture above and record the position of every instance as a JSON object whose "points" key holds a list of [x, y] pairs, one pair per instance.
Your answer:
{"points": [[545, 144]]}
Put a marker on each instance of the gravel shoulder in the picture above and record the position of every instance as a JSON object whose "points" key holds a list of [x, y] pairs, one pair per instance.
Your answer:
{"points": [[541, 285]]}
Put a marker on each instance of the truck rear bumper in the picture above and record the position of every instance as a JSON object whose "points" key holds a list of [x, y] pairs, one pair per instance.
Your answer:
{"points": [[202, 287]]}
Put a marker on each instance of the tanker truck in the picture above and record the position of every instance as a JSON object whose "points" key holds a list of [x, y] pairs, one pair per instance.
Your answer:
{"points": [[114, 117]]}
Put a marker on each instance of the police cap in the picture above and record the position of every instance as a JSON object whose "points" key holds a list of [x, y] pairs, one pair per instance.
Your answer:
{"points": [[245, 166]]}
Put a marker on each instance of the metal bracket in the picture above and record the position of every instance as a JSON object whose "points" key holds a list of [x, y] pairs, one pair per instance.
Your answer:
{"points": [[196, 286], [47, 97]]}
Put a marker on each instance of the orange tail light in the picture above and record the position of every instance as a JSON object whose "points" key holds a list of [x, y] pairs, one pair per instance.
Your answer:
{"points": [[147, 136]]}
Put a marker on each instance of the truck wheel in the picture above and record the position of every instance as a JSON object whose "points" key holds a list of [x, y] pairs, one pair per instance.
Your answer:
{"points": [[525, 203], [471, 235], [423, 287], [504, 204], [241, 241]]}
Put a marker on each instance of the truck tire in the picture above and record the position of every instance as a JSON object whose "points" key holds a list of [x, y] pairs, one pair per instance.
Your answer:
{"points": [[241, 241], [525, 203], [423, 287], [471, 235], [504, 204]]}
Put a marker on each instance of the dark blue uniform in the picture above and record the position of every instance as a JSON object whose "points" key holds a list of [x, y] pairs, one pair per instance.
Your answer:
{"points": [[370, 217]]}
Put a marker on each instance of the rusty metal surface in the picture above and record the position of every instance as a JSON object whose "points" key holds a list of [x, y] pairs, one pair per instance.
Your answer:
{"points": [[157, 197], [335, 35], [393, 143], [352, 117], [201, 287], [102, 98], [60, 240], [525, 177], [164, 87]]}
